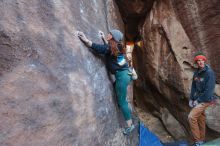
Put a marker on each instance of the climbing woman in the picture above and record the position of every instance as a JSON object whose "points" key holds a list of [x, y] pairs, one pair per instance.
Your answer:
{"points": [[112, 49]]}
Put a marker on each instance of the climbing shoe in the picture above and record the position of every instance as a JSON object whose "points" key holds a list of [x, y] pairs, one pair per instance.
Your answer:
{"points": [[128, 130]]}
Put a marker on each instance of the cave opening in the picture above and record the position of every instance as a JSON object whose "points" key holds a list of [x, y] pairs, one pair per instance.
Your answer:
{"points": [[133, 14]]}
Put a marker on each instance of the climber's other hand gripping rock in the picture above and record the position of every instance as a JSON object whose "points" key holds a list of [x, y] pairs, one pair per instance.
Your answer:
{"points": [[83, 38]]}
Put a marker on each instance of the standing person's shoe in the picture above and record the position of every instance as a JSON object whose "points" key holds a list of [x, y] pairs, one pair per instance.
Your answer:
{"points": [[128, 130], [199, 143]]}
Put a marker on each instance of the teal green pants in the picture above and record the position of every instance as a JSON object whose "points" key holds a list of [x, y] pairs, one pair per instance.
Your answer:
{"points": [[121, 84]]}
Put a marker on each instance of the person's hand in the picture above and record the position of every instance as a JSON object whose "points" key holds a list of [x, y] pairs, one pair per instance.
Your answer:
{"points": [[195, 103], [134, 74], [101, 34], [82, 37], [191, 103]]}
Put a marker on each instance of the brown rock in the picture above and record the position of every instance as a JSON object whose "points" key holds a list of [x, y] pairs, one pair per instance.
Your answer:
{"points": [[201, 20], [213, 119], [154, 124], [54, 91], [172, 125], [132, 14]]}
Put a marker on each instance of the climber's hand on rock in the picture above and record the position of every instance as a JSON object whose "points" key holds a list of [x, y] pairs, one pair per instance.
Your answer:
{"points": [[83, 38], [101, 34]]}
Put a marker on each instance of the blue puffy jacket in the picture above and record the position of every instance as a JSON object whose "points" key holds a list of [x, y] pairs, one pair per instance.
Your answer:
{"points": [[203, 85], [111, 60]]}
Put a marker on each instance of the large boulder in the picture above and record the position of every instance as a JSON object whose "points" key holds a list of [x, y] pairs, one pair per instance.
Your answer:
{"points": [[212, 116], [172, 125], [54, 91]]}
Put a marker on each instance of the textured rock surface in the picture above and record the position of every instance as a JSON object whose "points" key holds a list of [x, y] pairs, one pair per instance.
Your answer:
{"points": [[132, 14], [154, 124], [53, 90], [212, 116], [201, 20], [172, 125]]}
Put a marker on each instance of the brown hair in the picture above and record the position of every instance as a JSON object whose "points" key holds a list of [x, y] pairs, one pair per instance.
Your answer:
{"points": [[116, 47]]}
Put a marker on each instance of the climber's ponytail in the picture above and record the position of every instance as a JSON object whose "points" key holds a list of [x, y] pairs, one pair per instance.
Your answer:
{"points": [[116, 47]]}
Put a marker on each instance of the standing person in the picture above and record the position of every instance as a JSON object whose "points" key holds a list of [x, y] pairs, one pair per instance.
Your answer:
{"points": [[112, 49], [202, 96]]}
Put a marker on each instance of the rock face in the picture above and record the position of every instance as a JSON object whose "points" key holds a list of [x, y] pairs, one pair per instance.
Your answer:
{"points": [[172, 125], [132, 14], [54, 91], [172, 31], [154, 125], [203, 31], [212, 119]]}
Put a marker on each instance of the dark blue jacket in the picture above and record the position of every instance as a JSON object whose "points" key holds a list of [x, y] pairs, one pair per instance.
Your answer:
{"points": [[111, 60], [203, 85]]}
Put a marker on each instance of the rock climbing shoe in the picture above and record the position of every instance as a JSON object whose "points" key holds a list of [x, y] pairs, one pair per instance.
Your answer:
{"points": [[128, 130]]}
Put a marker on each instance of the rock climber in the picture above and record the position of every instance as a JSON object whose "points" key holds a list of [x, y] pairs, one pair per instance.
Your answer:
{"points": [[202, 96], [114, 51]]}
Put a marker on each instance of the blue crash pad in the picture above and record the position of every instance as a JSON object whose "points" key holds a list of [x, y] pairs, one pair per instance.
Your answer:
{"points": [[147, 138]]}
